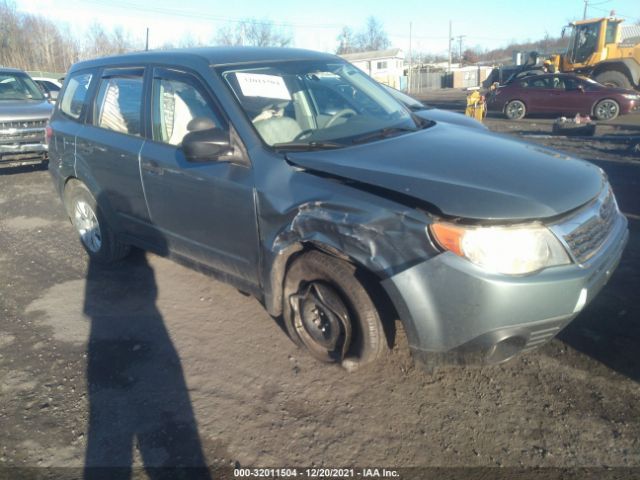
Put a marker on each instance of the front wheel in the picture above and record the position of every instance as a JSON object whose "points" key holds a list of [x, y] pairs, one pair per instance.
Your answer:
{"points": [[515, 110], [328, 311], [96, 236], [606, 109]]}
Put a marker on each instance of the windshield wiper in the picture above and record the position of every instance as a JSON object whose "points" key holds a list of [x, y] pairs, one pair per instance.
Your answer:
{"points": [[384, 133], [307, 145]]}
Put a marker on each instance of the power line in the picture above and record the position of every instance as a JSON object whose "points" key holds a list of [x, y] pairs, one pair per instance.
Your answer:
{"points": [[588, 3], [618, 14], [205, 16]]}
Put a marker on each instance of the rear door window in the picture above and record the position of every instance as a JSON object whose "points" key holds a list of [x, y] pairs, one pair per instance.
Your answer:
{"points": [[568, 83], [536, 82], [119, 104], [75, 95]]}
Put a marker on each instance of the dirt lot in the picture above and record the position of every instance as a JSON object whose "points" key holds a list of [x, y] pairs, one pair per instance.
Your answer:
{"points": [[617, 140], [152, 363]]}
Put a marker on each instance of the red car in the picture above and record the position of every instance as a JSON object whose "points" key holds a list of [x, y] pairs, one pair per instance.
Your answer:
{"points": [[562, 94]]}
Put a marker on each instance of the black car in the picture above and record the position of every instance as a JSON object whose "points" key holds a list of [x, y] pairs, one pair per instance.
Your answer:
{"points": [[339, 218]]}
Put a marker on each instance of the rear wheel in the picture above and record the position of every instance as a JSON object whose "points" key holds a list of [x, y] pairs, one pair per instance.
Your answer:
{"points": [[328, 311], [613, 78], [96, 236], [606, 109], [515, 110]]}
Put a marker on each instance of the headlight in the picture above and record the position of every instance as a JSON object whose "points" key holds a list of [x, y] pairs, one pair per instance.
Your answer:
{"points": [[510, 250], [631, 96]]}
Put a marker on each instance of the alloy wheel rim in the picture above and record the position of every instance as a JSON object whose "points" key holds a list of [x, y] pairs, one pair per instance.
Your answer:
{"points": [[516, 109], [607, 110], [86, 223]]}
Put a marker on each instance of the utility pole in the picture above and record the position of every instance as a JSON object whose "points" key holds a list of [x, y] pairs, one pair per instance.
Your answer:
{"points": [[410, 59], [450, 38], [460, 37], [146, 47], [584, 13]]}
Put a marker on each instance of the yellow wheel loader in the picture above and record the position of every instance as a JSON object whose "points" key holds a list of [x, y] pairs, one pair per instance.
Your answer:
{"points": [[604, 50]]}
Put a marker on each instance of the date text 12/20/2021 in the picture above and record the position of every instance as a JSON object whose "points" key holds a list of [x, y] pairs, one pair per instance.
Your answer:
{"points": [[315, 473]]}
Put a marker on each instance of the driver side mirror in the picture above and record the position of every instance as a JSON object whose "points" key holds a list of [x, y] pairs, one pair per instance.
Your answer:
{"points": [[205, 142], [580, 88]]}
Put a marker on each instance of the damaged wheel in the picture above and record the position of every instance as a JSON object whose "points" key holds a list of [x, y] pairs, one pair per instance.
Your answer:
{"points": [[328, 311]]}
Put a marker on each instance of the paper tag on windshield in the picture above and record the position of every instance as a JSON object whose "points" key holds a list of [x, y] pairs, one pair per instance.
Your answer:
{"points": [[260, 85]]}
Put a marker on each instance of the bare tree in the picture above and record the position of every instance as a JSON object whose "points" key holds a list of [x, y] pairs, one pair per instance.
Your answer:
{"points": [[373, 37], [188, 41], [33, 42], [253, 32], [99, 42], [346, 41], [469, 57], [229, 36]]}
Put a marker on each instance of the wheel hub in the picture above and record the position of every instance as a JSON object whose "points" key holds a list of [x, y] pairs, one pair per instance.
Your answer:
{"points": [[607, 110], [322, 321], [86, 222]]}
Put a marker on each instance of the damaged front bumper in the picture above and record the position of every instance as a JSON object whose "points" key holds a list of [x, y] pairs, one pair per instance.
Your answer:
{"points": [[456, 313], [13, 154]]}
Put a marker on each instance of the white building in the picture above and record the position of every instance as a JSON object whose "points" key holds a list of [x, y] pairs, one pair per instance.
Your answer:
{"points": [[385, 66]]}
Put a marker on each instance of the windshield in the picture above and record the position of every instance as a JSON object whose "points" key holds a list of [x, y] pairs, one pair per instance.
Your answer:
{"points": [[588, 80], [328, 104], [16, 86], [583, 42]]}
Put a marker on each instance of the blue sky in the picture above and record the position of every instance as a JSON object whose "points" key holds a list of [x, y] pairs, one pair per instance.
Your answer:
{"points": [[315, 25]]}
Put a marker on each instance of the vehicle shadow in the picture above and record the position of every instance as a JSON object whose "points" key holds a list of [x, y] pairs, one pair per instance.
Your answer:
{"points": [[16, 169], [138, 398], [608, 329]]}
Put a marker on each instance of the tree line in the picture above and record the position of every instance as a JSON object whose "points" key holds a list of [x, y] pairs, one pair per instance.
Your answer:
{"points": [[33, 42]]}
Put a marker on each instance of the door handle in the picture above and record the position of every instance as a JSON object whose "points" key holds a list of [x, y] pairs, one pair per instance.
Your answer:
{"points": [[152, 167]]}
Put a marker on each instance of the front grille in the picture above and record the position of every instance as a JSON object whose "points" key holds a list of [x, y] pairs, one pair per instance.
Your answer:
{"points": [[21, 124], [22, 132], [586, 232]]}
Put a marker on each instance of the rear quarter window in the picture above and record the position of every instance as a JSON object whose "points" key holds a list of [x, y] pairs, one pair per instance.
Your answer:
{"points": [[75, 95]]}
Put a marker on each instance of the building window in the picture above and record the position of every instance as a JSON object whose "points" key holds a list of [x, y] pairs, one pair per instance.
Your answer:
{"points": [[381, 65]]}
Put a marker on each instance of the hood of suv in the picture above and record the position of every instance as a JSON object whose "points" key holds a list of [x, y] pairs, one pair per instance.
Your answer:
{"points": [[16, 110], [465, 172]]}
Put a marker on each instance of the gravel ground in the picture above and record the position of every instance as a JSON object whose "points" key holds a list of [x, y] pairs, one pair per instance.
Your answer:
{"points": [[150, 363]]}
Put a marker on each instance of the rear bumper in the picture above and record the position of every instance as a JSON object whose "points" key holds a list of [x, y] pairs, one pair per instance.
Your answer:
{"points": [[457, 313]]}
